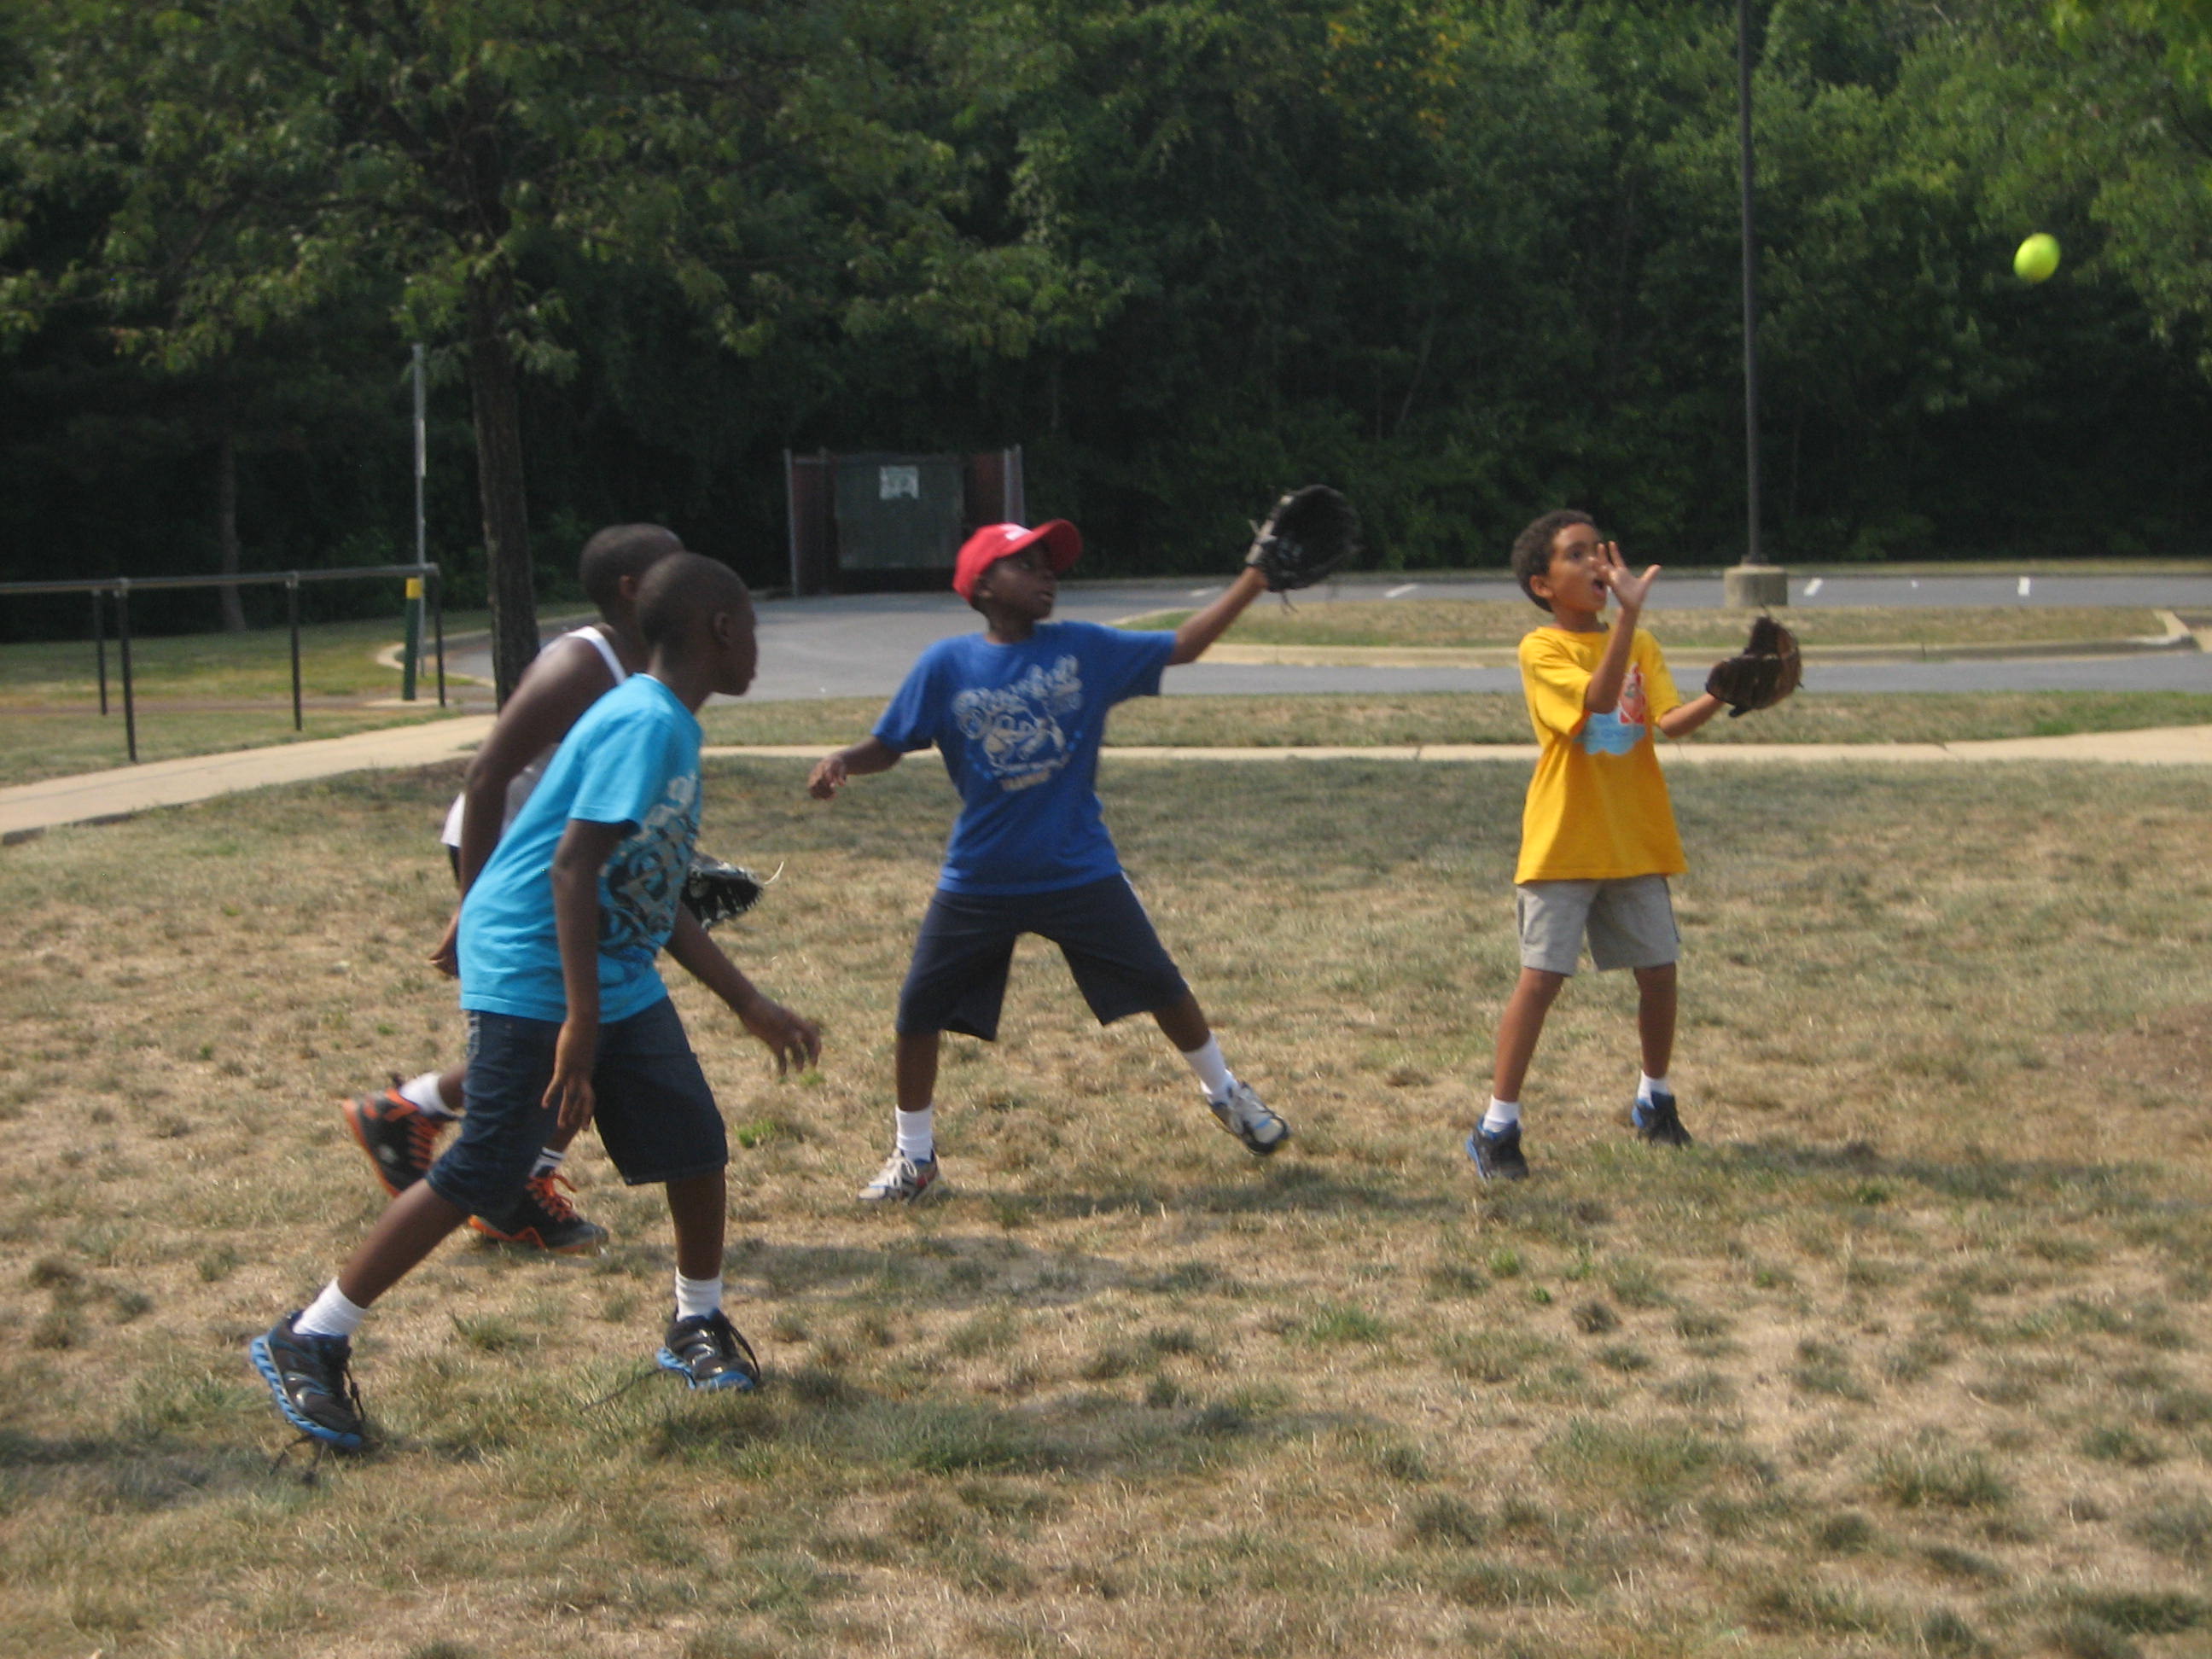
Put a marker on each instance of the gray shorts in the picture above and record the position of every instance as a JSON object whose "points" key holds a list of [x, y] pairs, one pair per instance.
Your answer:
{"points": [[1630, 922]]}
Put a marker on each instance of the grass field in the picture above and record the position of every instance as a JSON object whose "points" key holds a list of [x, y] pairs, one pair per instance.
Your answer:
{"points": [[337, 659], [1346, 719], [1911, 1354], [1468, 623], [57, 745]]}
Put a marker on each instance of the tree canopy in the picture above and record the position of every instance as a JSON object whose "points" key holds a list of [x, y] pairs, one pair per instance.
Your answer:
{"points": [[1468, 258]]}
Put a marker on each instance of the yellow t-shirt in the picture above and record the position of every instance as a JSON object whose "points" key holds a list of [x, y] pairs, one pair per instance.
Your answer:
{"points": [[1597, 807]]}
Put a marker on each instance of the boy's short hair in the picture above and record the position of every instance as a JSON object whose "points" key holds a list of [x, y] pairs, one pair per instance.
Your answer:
{"points": [[620, 550], [683, 589], [1532, 548]]}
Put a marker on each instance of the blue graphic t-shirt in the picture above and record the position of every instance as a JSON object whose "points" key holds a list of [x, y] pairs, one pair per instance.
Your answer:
{"points": [[633, 758], [1019, 726]]}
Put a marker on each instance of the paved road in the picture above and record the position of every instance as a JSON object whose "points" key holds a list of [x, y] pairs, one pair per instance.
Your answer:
{"points": [[861, 645]]}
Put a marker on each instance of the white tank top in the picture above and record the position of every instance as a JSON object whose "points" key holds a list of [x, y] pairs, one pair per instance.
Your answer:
{"points": [[526, 779]]}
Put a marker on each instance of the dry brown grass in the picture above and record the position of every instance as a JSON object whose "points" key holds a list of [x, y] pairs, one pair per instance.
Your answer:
{"points": [[1909, 1354], [1345, 718]]}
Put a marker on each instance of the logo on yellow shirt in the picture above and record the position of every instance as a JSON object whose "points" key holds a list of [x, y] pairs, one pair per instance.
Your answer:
{"points": [[1620, 732]]}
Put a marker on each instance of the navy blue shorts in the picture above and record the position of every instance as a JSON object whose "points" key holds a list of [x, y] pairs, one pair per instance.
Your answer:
{"points": [[958, 978], [655, 1114]]}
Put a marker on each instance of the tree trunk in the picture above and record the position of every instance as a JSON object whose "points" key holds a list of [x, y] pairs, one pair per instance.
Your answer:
{"points": [[493, 395], [226, 525]]}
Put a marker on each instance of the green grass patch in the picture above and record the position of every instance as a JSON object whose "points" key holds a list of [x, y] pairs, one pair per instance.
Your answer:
{"points": [[1495, 623]]}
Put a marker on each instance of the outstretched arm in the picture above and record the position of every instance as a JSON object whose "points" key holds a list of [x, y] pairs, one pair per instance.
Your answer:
{"points": [[1685, 718], [792, 1040], [1203, 628], [871, 754]]}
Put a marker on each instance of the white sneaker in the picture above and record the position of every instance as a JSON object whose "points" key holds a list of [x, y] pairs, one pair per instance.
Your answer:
{"points": [[1247, 1117], [901, 1178]]}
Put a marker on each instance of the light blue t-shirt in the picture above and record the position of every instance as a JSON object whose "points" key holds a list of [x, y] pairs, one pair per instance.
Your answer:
{"points": [[632, 758], [1019, 726]]}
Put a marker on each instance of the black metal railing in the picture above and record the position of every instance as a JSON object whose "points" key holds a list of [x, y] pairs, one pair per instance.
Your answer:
{"points": [[120, 588]]}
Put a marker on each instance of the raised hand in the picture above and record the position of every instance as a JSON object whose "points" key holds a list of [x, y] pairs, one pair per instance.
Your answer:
{"points": [[1628, 590]]}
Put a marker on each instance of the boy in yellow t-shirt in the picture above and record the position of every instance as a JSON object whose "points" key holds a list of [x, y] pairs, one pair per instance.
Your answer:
{"points": [[1597, 832]]}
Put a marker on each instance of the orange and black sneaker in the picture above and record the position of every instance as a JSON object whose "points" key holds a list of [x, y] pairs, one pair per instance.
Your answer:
{"points": [[400, 1138], [543, 1219]]}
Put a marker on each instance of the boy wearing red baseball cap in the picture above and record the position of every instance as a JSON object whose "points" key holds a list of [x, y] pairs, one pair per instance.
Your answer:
{"points": [[1018, 712]]}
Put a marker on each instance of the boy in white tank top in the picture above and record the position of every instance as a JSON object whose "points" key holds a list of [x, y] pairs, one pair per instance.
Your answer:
{"points": [[399, 1127]]}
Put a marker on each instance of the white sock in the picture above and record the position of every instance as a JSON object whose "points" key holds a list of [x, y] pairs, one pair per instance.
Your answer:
{"points": [[331, 1314], [917, 1133], [424, 1093], [1652, 1085], [1502, 1115], [697, 1297], [1212, 1071], [548, 1161]]}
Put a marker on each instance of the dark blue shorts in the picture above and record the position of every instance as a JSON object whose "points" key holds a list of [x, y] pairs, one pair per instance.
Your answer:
{"points": [[958, 978], [655, 1114]]}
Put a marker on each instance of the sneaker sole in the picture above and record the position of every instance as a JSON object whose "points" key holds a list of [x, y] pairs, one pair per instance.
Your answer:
{"points": [[266, 1364], [351, 1108], [728, 1380], [528, 1239], [1257, 1148]]}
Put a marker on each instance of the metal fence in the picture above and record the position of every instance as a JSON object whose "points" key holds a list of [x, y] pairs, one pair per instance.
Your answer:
{"points": [[120, 588]]}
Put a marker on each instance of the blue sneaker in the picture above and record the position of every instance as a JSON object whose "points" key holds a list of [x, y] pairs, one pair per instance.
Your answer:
{"points": [[706, 1353], [1656, 1120], [1497, 1154], [311, 1378]]}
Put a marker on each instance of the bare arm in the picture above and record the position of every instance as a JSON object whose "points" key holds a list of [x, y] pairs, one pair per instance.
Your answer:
{"points": [[1687, 717], [553, 695], [1201, 630], [1629, 592], [869, 754], [584, 851], [792, 1040]]}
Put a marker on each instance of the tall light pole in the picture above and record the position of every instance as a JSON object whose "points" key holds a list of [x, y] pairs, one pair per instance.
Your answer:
{"points": [[1753, 582]]}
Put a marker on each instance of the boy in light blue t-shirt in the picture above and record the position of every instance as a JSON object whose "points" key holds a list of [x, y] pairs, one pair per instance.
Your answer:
{"points": [[1018, 712], [568, 1020]]}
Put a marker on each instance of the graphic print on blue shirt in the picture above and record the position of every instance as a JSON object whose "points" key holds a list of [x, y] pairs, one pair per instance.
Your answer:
{"points": [[1019, 727], [633, 758], [644, 881], [1621, 730]]}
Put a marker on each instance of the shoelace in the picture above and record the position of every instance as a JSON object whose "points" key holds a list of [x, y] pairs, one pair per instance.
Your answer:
{"points": [[550, 1199]]}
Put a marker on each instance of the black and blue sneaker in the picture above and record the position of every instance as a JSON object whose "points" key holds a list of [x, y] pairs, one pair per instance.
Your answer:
{"points": [[1654, 1118], [1497, 1153], [706, 1353], [312, 1380]]}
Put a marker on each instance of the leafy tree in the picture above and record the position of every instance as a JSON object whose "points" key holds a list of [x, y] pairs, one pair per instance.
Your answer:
{"points": [[258, 160]]}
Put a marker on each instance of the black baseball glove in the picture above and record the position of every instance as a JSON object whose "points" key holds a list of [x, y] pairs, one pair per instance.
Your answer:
{"points": [[715, 891], [1767, 670], [1310, 532]]}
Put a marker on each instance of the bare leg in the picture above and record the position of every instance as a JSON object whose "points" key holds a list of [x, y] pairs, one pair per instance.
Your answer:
{"points": [[412, 1225], [1655, 1016], [917, 1069], [1183, 1023], [1519, 1028], [699, 1207], [452, 1084]]}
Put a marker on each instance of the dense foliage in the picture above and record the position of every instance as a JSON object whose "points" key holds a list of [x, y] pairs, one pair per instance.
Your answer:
{"points": [[1469, 258]]}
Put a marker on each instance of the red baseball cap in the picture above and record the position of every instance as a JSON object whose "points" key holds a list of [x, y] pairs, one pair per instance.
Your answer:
{"points": [[995, 542]]}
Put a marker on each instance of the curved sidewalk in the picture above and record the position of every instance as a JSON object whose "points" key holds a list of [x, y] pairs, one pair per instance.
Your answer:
{"points": [[100, 797]]}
